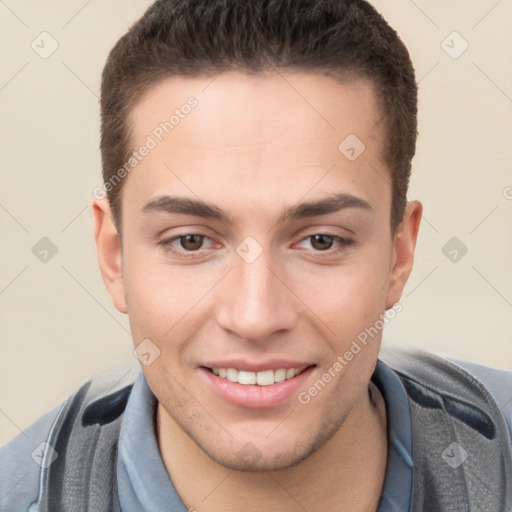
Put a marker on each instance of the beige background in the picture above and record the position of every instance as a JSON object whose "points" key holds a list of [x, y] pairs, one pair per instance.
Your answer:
{"points": [[58, 325]]}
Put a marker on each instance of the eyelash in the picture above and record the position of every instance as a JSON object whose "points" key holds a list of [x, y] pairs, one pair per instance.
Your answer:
{"points": [[167, 244], [342, 242]]}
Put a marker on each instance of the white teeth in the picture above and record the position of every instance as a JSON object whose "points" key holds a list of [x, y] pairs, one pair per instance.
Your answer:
{"points": [[232, 374], [280, 375], [264, 378], [246, 377]]}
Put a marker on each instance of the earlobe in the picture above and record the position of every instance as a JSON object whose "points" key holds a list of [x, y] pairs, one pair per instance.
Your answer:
{"points": [[108, 248], [403, 251]]}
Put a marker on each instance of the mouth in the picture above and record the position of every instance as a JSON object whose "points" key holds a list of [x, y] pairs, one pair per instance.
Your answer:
{"points": [[258, 389], [263, 378]]}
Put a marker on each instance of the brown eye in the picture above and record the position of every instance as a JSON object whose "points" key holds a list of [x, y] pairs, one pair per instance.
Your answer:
{"points": [[322, 242], [191, 242]]}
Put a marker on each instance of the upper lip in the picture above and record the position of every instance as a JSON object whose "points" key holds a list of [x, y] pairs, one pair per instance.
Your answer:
{"points": [[256, 366]]}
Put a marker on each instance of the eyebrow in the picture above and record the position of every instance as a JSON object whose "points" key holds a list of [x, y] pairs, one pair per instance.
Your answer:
{"points": [[199, 208], [174, 204], [331, 204]]}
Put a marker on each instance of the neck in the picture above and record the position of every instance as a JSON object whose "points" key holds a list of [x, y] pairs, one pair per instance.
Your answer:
{"points": [[345, 474]]}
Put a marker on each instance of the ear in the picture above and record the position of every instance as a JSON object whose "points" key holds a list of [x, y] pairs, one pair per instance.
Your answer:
{"points": [[108, 248], [404, 244]]}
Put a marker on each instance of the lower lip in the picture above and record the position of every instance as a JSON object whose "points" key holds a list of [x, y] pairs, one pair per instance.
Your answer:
{"points": [[253, 396]]}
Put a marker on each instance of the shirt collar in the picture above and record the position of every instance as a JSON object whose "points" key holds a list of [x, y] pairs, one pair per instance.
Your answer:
{"points": [[144, 485]]}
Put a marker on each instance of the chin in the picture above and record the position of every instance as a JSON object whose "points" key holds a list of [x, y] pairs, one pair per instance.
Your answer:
{"points": [[253, 457]]}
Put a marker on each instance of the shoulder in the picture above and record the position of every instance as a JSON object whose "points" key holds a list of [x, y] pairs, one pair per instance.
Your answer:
{"points": [[21, 461], [34, 450], [454, 377], [497, 382]]}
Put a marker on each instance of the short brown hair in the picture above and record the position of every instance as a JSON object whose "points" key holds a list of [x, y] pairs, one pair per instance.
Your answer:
{"points": [[198, 37]]}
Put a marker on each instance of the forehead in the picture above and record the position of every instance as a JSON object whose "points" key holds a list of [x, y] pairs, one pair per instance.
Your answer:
{"points": [[266, 102], [276, 134]]}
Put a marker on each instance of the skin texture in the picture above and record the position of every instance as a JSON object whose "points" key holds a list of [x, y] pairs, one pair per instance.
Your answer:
{"points": [[253, 147]]}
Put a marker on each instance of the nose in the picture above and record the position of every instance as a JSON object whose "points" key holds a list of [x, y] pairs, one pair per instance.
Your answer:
{"points": [[255, 302]]}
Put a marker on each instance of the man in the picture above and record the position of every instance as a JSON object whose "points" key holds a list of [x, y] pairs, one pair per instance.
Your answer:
{"points": [[256, 157]]}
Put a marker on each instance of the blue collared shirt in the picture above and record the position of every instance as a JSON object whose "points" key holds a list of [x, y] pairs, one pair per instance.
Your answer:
{"points": [[144, 484], [139, 462]]}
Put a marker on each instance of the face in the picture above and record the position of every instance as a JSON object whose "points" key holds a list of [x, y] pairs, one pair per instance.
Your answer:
{"points": [[255, 250]]}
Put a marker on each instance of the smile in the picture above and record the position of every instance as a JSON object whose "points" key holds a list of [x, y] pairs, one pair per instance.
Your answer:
{"points": [[264, 388], [264, 378]]}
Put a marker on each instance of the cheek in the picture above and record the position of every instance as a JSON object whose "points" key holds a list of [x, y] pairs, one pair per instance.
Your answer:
{"points": [[348, 298], [163, 300], [150, 295]]}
